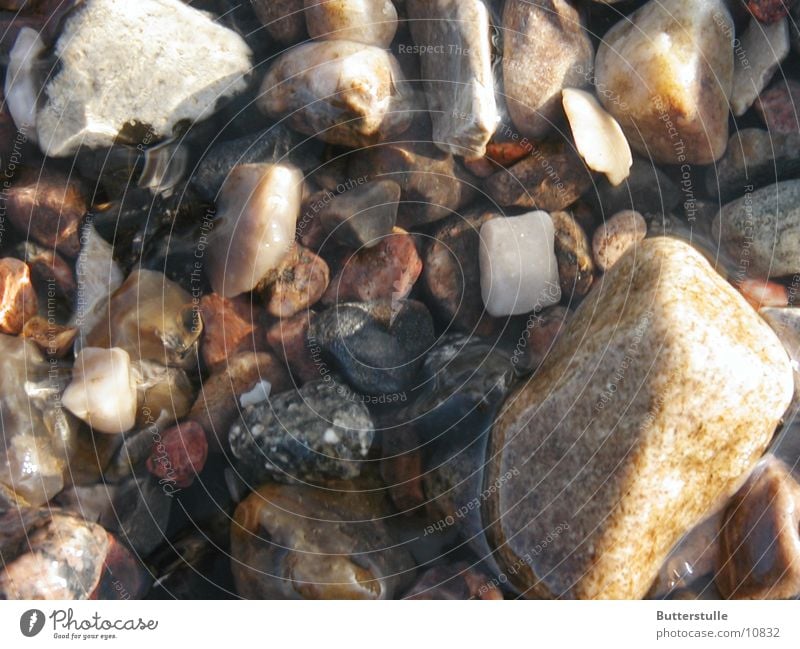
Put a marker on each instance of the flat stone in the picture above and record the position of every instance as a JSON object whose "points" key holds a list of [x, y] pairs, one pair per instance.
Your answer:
{"points": [[453, 40], [18, 301], [662, 44], [115, 82], [763, 48], [519, 271], [779, 107], [613, 238], [371, 23], [362, 216], [623, 463]]}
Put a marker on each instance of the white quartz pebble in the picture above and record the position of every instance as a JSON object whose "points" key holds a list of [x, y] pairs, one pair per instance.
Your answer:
{"points": [[102, 391], [519, 271]]}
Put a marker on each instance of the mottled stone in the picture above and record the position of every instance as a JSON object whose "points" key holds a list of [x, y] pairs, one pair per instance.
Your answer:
{"points": [[180, 454], [283, 20], [51, 338], [545, 49], [760, 537], [573, 254], [362, 216], [163, 394], [763, 293], [779, 107], [340, 92], [18, 302], [295, 542], [371, 23], [667, 72], [453, 40], [614, 237], [762, 230], [302, 280], [230, 326], [763, 48], [769, 11], [625, 462], [454, 582], [313, 434], [786, 325], [287, 338]]}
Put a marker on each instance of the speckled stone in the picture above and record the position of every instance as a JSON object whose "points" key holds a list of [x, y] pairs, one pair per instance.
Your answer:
{"points": [[622, 231], [573, 254], [688, 387], [779, 106], [643, 63], [785, 322]]}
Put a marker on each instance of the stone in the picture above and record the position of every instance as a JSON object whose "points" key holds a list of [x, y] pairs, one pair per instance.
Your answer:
{"points": [[573, 254], [387, 271], [401, 468], [102, 391], [681, 54], [361, 217], [302, 280], [48, 206], [298, 542], [786, 325], [519, 271], [498, 154], [551, 33], [22, 83], [658, 388], [762, 293], [646, 189], [754, 158], [763, 49], [230, 326], [542, 331], [551, 178], [371, 23], [433, 184], [338, 91], [452, 38], [152, 318], [598, 136], [769, 11], [377, 346], [96, 99], [283, 20], [613, 238], [180, 455], [49, 269], [218, 405], [287, 338], [453, 582], [778, 107], [257, 214], [53, 339], [163, 394], [760, 537], [762, 229], [18, 301]]}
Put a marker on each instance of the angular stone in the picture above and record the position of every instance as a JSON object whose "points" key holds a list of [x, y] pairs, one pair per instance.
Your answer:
{"points": [[519, 271], [362, 216], [453, 41], [340, 92], [760, 537], [613, 238], [229, 327], [574, 255], [371, 23], [779, 107], [626, 462], [761, 230], [763, 48], [18, 302], [115, 82], [545, 49], [680, 53], [49, 269]]}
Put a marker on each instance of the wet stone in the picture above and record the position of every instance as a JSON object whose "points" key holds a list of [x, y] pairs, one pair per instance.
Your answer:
{"points": [[313, 434], [786, 325], [401, 468], [180, 454], [647, 189], [535, 344], [49, 269], [573, 254], [230, 326], [287, 338], [53, 339], [362, 216], [301, 281], [613, 238], [778, 107], [163, 394], [18, 302], [769, 11]]}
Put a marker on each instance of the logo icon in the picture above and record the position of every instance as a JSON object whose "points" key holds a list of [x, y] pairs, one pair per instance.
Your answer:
{"points": [[31, 622]]}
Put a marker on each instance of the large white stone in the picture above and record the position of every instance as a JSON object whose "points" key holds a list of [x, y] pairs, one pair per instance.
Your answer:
{"points": [[519, 271], [759, 53]]}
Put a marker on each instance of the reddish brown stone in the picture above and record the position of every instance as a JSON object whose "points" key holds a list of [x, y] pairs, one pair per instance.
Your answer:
{"points": [[48, 206], [762, 292], [454, 582], [309, 229], [287, 338], [386, 271], [779, 107], [769, 11], [180, 454], [18, 301], [229, 326], [498, 154], [302, 281], [52, 338], [402, 469], [541, 333], [49, 269]]}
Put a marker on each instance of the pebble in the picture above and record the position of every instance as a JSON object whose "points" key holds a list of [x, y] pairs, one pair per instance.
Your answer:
{"points": [[340, 92], [287, 338], [573, 254], [230, 326], [761, 230], [48, 207], [257, 212], [313, 434], [180, 455], [760, 537], [498, 154], [769, 11], [623, 231], [370, 23], [551, 33], [387, 271], [551, 178], [786, 325], [598, 136], [663, 43], [163, 394], [53, 339], [48, 268], [283, 20], [763, 47], [632, 331], [102, 391], [763, 293], [302, 280], [113, 74], [541, 333], [456, 581], [778, 107], [298, 542], [362, 216], [453, 39], [377, 346], [401, 468], [519, 271], [18, 302], [646, 189]]}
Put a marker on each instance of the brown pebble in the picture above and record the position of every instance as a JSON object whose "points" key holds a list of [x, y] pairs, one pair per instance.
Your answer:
{"points": [[574, 255], [310, 231], [302, 280], [48, 268], [53, 339], [18, 300], [180, 454], [454, 582], [229, 326], [498, 154], [622, 231], [779, 107], [762, 292], [769, 11], [541, 333], [287, 338], [402, 468]]}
